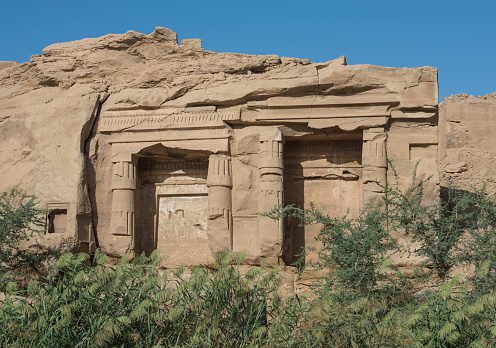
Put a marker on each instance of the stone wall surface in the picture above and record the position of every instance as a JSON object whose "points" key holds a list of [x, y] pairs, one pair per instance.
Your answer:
{"points": [[467, 139], [141, 143]]}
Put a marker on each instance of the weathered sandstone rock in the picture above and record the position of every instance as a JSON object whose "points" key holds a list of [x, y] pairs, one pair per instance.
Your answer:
{"points": [[138, 143], [467, 139]]}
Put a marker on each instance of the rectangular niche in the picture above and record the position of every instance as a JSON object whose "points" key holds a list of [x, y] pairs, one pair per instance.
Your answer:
{"points": [[325, 173], [182, 228], [173, 204], [423, 152], [57, 217]]}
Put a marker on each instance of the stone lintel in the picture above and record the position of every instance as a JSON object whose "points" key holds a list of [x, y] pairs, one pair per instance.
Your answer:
{"points": [[182, 189], [349, 123], [414, 114], [334, 101], [123, 152], [52, 205], [167, 118], [172, 135], [321, 112]]}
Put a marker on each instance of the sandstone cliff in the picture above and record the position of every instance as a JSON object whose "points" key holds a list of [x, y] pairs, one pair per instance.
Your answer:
{"points": [[54, 144]]}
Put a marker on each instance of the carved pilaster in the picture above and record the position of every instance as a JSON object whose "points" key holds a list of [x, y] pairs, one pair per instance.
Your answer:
{"points": [[374, 177], [271, 194], [123, 191], [219, 183]]}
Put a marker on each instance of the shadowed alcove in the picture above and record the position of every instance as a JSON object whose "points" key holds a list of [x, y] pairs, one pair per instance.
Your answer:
{"points": [[325, 172]]}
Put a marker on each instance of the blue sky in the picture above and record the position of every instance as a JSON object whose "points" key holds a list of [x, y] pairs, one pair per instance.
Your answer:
{"points": [[458, 37]]}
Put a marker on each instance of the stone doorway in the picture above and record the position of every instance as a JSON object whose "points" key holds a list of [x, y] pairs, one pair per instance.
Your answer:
{"points": [[323, 172], [173, 205]]}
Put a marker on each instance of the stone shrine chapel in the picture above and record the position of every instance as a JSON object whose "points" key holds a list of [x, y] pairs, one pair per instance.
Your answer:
{"points": [[181, 148]]}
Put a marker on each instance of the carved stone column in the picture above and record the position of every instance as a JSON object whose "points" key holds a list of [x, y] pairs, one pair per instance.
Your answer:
{"points": [[219, 183], [374, 177], [123, 192], [271, 194]]}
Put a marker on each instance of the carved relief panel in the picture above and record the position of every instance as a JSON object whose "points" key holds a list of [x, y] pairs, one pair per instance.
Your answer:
{"points": [[173, 209], [181, 217]]}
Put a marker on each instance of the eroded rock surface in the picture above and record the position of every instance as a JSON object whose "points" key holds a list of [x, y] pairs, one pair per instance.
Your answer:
{"points": [[467, 139], [137, 143]]}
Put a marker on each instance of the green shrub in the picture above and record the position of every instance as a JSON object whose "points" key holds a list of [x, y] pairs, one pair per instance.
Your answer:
{"points": [[136, 304], [359, 303], [457, 229], [450, 317], [353, 249], [20, 219]]}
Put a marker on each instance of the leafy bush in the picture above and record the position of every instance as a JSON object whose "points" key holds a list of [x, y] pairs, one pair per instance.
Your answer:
{"points": [[451, 317], [352, 248], [136, 304], [359, 303], [458, 229], [20, 219]]}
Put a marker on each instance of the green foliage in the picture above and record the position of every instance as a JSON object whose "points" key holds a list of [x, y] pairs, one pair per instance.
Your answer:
{"points": [[436, 227], [478, 247], [359, 304], [362, 301], [137, 304], [20, 219], [353, 248], [451, 318], [459, 228]]}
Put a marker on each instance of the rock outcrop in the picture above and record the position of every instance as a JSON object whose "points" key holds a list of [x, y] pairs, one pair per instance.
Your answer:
{"points": [[135, 142], [467, 141]]}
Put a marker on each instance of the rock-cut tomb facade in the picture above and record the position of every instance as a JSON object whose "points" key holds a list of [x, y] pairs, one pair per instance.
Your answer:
{"points": [[138, 143]]}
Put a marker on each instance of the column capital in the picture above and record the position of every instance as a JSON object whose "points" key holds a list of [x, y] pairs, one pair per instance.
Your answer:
{"points": [[374, 148], [275, 135], [271, 154], [124, 176], [219, 171]]}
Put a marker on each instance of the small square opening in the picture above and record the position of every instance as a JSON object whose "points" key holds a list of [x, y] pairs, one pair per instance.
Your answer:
{"points": [[57, 221]]}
